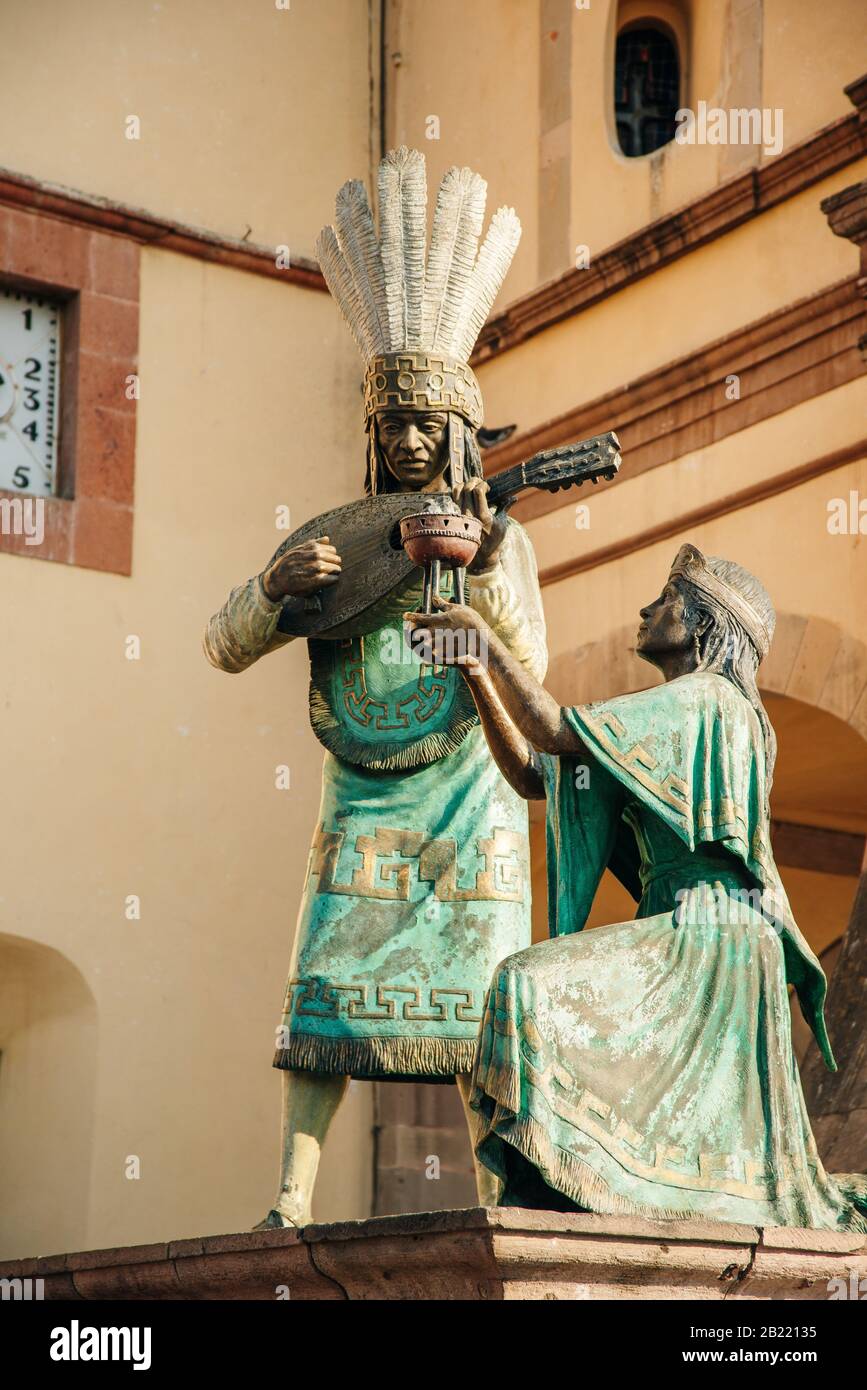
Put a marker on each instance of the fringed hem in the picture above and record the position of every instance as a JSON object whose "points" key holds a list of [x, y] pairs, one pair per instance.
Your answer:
{"points": [[854, 1189], [378, 1058], [575, 1179], [382, 755]]}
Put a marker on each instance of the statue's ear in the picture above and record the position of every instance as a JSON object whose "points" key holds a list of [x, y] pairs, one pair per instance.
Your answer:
{"points": [[703, 622]]}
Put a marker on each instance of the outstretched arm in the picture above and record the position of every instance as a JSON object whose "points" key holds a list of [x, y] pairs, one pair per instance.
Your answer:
{"points": [[536, 713], [511, 752]]}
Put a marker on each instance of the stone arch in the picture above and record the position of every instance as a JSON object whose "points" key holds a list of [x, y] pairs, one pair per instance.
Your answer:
{"points": [[48, 1058]]}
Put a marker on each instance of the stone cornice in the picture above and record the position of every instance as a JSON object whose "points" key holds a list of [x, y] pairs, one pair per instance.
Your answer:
{"points": [[664, 241], [86, 210], [780, 360]]}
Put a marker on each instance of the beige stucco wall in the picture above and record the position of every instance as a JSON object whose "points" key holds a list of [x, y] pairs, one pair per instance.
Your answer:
{"points": [[156, 777], [477, 65], [250, 115]]}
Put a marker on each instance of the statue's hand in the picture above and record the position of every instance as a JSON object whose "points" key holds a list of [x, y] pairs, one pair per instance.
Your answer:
{"points": [[308, 567], [453, 636], [472, 498]]}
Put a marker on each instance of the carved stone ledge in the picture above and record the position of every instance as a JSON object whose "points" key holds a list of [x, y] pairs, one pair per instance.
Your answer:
{"points": [[846, 212], [504, 1253]]}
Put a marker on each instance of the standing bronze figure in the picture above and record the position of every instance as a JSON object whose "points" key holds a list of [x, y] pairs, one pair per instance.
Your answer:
{"points": [[418, 882]]}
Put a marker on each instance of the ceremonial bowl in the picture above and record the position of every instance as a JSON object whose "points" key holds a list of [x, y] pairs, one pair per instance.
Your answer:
{"points": [[438, 535]]}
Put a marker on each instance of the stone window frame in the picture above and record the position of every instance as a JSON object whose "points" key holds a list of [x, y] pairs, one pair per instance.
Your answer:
{"points": [[673, 19], [96, 275]]}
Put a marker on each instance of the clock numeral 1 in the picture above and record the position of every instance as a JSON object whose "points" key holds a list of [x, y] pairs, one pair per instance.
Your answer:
{"points": [[28, 318]]}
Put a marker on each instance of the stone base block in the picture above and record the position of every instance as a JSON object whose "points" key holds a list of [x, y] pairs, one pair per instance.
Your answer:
{"points": [[499, 1253]]}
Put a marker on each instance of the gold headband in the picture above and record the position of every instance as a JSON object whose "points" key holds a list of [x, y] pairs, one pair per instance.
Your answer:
{"points": [[690, 564], [415, 380]]}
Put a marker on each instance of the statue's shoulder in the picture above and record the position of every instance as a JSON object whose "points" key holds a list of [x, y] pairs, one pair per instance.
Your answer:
{"points": [[718, 694]]}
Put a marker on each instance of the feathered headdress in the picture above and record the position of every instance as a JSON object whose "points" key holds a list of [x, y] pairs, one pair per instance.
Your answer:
{"points": [[416, 320]]}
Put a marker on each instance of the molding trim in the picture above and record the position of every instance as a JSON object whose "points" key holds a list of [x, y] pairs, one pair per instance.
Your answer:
{"points": [[683, 522], [104, 215], [783, 359], [666, 240]]}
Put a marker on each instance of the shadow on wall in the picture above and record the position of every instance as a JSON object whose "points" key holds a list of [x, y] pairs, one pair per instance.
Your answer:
{"points": [[48, 1033]]}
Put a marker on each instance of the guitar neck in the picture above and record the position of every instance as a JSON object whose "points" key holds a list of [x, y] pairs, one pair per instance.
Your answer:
{"points": [[568, 466]]}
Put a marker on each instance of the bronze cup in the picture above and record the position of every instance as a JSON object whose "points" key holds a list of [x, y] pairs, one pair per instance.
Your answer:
{"points": [[436, 537]]}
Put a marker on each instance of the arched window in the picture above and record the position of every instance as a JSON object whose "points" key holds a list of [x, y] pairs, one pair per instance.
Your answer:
{"points": [[646, 89]]}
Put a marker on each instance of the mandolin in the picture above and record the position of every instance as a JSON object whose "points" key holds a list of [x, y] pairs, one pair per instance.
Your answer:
{"points": [[366, 535]]}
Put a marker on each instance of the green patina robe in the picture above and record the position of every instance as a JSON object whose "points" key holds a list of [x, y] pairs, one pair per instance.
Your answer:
{"points": [[647, 1066], [418, 877]]}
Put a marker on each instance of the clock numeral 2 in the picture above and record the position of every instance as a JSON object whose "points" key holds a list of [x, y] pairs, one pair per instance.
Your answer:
{"points": [[33, 374]]}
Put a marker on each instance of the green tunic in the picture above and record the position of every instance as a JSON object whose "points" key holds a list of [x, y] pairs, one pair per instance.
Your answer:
{"points": [[647, 1066], [418, 879]]}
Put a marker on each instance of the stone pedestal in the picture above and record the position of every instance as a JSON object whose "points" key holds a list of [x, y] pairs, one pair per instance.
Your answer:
{"points": [[504, 1253]]}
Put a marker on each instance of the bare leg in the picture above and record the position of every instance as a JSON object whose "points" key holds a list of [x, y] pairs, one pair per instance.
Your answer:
{"points": [[310, 1101], [487, 1183]]}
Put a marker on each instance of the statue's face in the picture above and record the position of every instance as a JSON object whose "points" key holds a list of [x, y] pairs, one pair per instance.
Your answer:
{"points": [[665, 628], [413, 444]]}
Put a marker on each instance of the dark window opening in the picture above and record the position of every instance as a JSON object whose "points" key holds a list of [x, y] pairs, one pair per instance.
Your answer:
{"points": [[646, 90]]}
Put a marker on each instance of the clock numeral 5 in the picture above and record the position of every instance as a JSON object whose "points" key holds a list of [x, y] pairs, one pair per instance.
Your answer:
{"points": [[21, 478]]}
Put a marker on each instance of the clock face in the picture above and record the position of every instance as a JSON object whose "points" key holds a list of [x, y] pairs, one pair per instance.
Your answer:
{"points": [[29, 391]]}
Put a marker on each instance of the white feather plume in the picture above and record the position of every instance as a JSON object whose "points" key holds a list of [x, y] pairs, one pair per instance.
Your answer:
{"points": [[388, 295], [402, 190], [358, 242], [341, 284], [457, 226], [484, 284]]}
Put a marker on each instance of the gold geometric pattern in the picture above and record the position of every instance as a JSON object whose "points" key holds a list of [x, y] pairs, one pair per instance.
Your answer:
{"points": [[640, 762], [709, 1172], [394, 861], [413, 380], [419, 707], [432, 1004]]}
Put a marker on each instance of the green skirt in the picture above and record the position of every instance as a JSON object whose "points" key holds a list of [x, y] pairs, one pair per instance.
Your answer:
{"points": [[647, 1067], [417, 886]]}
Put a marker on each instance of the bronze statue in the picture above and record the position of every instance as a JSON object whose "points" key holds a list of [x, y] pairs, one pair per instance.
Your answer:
{"points": [[647, 1066], [417, 881]]}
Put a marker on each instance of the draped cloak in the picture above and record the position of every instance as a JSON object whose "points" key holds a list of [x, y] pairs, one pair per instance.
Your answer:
{"points": [[647, 1066]]}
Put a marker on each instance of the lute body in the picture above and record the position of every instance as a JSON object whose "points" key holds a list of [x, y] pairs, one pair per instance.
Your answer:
{"points": [[366, 535]]}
